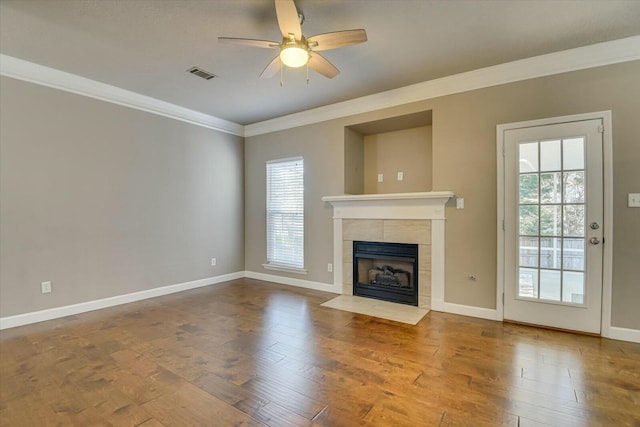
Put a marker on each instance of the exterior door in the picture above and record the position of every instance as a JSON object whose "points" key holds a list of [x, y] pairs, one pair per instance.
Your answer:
{"points": [[553, 225]]}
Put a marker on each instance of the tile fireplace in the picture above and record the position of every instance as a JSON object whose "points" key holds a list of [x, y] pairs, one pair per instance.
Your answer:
{"points": [[407, 218]]}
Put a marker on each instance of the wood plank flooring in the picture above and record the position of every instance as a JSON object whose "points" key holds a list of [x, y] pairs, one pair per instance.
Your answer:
{"points": [[254, 353]]}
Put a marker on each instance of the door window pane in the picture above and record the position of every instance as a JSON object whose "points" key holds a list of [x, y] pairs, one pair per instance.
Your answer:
{"points": [[573, 153], [573, 183], [528, 251], [529, 188], [573, 220], [573, 254], [529, 157], [550, 285], [550, 187], [552, 224], [551, 220], [573, 287], [550, 253], [528, 283], [529, 220], [550, 157]]}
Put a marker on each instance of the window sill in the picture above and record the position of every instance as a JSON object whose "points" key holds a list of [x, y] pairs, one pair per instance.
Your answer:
{"points": [[284, 268]]}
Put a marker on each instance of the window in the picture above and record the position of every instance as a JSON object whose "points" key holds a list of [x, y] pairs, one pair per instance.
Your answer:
{"points": [[285, 215]]}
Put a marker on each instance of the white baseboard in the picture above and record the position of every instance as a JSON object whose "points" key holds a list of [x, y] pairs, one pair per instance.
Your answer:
{"points": [[616, 333], [623, 334], [465, 310], [83, 307], [318, 286]]}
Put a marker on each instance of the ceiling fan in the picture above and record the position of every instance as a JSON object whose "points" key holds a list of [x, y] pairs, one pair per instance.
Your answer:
{"points": [[296, 50]]}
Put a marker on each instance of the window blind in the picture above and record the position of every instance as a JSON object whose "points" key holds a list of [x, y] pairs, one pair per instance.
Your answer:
{"points": [[285, 213]]}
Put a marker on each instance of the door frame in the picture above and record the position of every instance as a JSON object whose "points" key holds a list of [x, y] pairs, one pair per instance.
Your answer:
{"points": [[607, 170]]}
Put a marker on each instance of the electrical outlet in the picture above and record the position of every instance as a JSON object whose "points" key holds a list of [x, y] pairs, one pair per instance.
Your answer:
{"points": [[45, 287], [330, 268], [214, 262]]}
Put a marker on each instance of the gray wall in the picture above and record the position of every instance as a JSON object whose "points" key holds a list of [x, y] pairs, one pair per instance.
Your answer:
{"points": [[464, 161], [407, 151], [353, 162], [323, 151], [105, 200]]}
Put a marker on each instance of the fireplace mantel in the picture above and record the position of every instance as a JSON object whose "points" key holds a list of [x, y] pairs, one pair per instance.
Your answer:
{"points": [[397, 206], [425, 205]]}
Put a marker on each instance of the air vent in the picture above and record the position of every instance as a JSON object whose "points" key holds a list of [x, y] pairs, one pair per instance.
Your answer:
{"points": [[201, 73]]}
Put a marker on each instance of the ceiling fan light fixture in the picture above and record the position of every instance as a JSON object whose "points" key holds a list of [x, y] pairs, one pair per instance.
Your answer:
{"points": [[294, 55]]}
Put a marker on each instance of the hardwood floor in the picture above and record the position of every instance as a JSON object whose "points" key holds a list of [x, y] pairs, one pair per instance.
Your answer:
{"points": [[254, 353]]}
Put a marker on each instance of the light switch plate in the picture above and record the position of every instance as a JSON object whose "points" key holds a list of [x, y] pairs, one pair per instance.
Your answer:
{"points": [[634, 200], [460, 203], [380, 177], [400, 176]]}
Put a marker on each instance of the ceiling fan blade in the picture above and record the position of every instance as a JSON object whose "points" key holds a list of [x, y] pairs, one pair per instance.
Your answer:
{"points": [[337, 39], [249, 42], [271, 69], [320, 64], [288, 19]]}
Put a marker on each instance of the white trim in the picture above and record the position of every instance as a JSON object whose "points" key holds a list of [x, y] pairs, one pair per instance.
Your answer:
{"points": [[438, 250], [500, 225], [624, 334], [597, 55], [607, 254], [464, 310], [338, 268], [284, 268], [318, 286], [426, 205], [607, 248], [50, 77], [444, 195], [437, 304], [83, 307], [286, 159]]}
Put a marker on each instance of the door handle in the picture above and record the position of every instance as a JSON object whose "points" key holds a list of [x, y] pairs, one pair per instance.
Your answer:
{"points": [[594, 240]]}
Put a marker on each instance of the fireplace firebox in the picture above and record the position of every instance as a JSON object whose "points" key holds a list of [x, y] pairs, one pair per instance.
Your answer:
{"points": [[386, 271]]}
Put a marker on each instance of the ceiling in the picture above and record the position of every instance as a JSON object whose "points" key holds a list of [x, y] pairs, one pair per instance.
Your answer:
{"points": [[146, 46]]}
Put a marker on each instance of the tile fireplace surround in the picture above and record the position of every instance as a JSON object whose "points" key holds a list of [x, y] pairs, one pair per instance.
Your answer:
{"points": [[401, 218]]}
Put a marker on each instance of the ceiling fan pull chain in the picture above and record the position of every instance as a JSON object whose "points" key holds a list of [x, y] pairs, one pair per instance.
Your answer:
{"points": [[282, 76], [307, 74]]}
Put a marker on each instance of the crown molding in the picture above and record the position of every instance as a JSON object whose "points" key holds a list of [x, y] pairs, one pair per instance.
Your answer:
{"points": [[607, 53], [596, 55], [39, 74]]}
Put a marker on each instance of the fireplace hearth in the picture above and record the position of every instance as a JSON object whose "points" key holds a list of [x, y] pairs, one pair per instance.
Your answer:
{"points": [[386, 271]]}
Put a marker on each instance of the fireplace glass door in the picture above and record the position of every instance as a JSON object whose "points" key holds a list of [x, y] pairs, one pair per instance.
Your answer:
{"points": [[386, 271]]}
